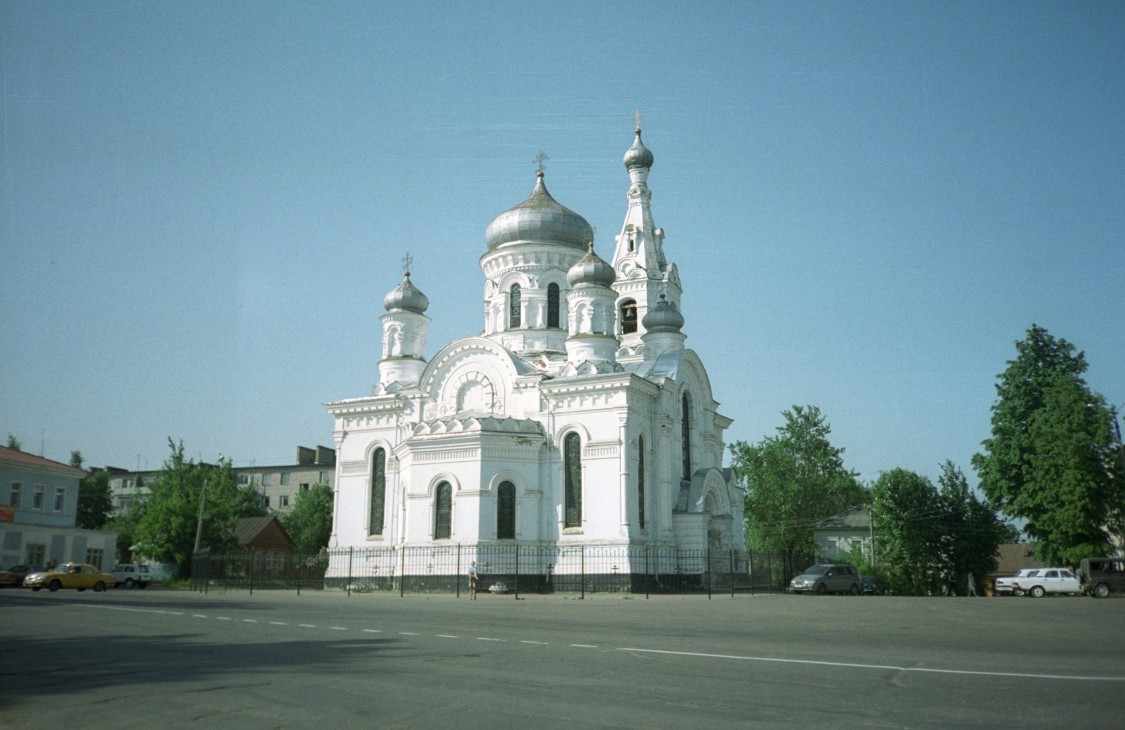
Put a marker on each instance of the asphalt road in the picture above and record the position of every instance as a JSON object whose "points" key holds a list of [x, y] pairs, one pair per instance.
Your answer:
{"points": [[171, 659]]}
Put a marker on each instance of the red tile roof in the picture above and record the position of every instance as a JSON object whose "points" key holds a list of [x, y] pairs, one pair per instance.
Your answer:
{"points": [[22, 458]]}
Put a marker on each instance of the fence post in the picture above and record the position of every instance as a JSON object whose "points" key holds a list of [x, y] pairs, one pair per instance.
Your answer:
{"points": [[732, 572], [582, 569], [251, 571], [516, 588], [402, 572], [648, 574], [349, 581], [457, 577], [750, 566], [300, 574], [708, 572]]}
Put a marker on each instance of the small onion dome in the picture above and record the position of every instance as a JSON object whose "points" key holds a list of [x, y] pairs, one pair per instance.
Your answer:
{"points": [[406, 297], [638, 155], [663, 318], [591, 269], [539, 219]]}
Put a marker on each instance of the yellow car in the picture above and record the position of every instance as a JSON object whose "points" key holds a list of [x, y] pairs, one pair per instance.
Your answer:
{"points": [[69, 575]]}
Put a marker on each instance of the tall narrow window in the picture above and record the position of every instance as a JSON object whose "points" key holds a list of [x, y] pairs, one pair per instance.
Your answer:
{"points": [[641, 481], [572, 456], [514, 318], [506, 511], [378, 492], [685, 434], [553, 305], [628, 317], [443, 511], [60, 498]]}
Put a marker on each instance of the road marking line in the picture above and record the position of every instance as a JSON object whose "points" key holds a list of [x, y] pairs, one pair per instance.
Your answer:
{"points": [[199, 615], [222, 618], [585, 646], [249, 620], [278, 623], [543, 643], [445, 636], [486, 638], [891, 667], [408, 633], [307, 626], [372, 631], [338, 628]]}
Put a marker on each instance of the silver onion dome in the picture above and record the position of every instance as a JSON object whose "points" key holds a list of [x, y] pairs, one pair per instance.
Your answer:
{"points": [[591, 269], [406, 297], [638, 155], [539, 219], [663, 318]]}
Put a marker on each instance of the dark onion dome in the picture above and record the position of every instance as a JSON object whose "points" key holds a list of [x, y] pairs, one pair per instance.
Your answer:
{"points": [[638, 155], [406, 297], [539, 219], [591, 269], [663, 318]]}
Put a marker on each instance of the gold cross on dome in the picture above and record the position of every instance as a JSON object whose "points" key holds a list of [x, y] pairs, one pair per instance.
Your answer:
{"points": [[540, 161], [637, 115], [407, 260]]}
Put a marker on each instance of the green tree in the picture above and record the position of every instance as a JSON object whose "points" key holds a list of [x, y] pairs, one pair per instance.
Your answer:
{"points": [[95, 501], [167, 527], [925, 534], [309, 523], [14, 443], [907, 509], [125, 525], [972, 531], [1051, 455], [793, 480]]}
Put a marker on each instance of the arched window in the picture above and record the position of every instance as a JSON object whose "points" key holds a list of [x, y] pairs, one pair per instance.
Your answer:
{"points": [[443, 511], [553, 305], [628, 317], [506, 511], [641, 481], [378, 492], [572, 465], [514, 317], [685, 435]]}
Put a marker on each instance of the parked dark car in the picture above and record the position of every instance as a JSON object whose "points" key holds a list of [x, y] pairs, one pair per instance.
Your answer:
{"points": [[870, 586], [14, 575]]}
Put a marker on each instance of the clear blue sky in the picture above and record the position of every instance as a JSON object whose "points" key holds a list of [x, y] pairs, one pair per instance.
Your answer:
{"points": [[205, 202]]}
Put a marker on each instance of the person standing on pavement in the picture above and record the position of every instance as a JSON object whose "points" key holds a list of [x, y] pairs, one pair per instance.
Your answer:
{"points": [[972, 587], [474, 574]]}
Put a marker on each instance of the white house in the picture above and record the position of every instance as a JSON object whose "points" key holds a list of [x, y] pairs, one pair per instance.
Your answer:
{"points": [[576, 417]]}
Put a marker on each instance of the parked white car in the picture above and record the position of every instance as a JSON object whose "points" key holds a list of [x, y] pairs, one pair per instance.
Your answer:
{"points": [[1005, 586], [1048, 580], [131, 575]]}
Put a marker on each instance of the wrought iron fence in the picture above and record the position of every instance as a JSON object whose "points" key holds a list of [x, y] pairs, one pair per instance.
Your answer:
{"points": [[509, 568]]}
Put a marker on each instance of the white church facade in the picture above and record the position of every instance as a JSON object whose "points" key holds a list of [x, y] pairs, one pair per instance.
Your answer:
{"points": [[576, 417]]}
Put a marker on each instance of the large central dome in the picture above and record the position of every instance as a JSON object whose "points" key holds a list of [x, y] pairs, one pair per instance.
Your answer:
{"points": [[539, 219]]}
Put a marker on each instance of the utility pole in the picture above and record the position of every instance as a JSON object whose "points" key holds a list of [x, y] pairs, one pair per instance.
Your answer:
{"points": [[203, 506]]}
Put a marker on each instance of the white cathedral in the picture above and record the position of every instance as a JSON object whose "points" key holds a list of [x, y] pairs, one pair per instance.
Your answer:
{"points": [[576, 417]]}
